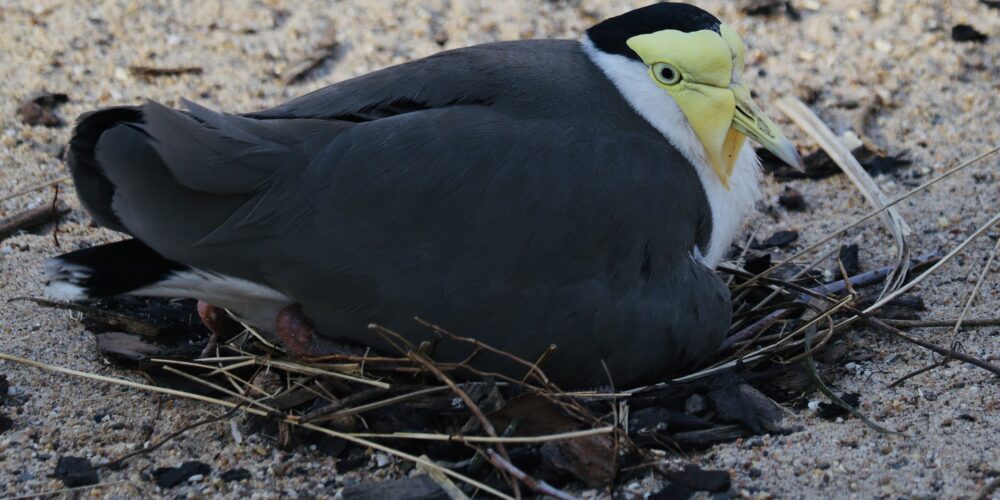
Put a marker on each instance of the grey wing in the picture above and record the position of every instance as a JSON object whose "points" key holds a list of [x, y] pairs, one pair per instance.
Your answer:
{"points": [[519, 232], [530, 75]]}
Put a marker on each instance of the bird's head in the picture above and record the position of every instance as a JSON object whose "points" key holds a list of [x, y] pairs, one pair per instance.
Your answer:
{"points": [[697, 60]]}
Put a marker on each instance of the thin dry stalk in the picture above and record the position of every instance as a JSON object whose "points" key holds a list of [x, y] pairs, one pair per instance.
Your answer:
{"points": [[36, 187], [826, 239], [287, 419], [422, 360], [975, 289], [538, 486], [219, 388], [941, 323], [922, 276], [30, 218], [461, 438], [116, 463], [329, 414], [894, 222], [443, 481], [537, 365], [532, 369], [972, 360], [309, 369]]}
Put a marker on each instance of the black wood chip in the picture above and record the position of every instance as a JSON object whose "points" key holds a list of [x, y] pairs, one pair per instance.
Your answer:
{"points": [[792, 200], [76, 471], [833, 410], [849, 257], [778, 239], [235, 475], [966, 33], [698, 479], [168, 477]]}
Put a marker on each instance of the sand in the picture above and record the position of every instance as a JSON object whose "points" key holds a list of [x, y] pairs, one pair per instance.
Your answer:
{"points": [[938, 99]]}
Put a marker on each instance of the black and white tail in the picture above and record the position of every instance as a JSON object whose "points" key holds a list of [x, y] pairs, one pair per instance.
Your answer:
{"points": [[131, 268], [112, 269]]}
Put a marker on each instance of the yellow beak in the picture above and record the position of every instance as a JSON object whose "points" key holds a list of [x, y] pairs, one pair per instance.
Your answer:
{"points": [[723, 118], [750, 121]]}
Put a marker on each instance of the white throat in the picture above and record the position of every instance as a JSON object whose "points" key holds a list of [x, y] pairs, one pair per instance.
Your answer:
{"points": [[729, 206]]}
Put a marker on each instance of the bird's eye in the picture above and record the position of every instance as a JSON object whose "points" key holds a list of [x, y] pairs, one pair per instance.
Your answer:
{"points": [[666, 74]]}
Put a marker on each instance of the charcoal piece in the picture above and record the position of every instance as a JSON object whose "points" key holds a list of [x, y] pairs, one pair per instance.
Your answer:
{"points": [[76, 471]]}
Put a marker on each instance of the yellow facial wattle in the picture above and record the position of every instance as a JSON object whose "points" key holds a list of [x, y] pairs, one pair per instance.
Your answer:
{"points": [[717, 106]]}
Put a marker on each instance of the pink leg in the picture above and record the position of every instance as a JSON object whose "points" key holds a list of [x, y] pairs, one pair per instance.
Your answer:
{"points": [[219, 323], [299, 337]]}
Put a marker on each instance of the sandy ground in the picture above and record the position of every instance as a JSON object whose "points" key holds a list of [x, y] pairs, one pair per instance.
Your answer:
{"points": [[941, 101]]}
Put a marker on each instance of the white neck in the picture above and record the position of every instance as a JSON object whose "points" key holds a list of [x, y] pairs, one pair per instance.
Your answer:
{"points": [[729, 206]]}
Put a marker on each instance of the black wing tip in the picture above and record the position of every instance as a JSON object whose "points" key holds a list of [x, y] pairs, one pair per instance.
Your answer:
{"points": [[93, 187], [106, 270]]}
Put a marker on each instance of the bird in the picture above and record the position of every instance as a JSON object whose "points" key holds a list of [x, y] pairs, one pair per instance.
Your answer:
{"points": [[525, 194]]}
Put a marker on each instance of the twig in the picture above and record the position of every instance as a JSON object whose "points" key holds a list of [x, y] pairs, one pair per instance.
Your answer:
{"points": [[149, 72], [617, 424], [326, 48], [958, 323], [54, 206], [532, 368], [940, 323], [868, 216], [814, 375], [975, 289], [544, 438], [837, 287], [537, 365], [812, 125], [110, 318], [754, 329], [254, 411], [922, 276], [36, 187], [115, 464], [329, 413], [871, 277], [972, 360], [31, 218], [245, 399], [865, 315], [313, 370], [469, 403], [550, 391], [443, 481], [915, 373], [536, 485]]}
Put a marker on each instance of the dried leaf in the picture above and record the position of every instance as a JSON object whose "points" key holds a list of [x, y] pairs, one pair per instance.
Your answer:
{"points": [[589, 459], [535, 415]]}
